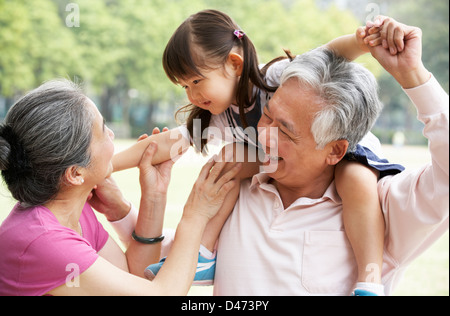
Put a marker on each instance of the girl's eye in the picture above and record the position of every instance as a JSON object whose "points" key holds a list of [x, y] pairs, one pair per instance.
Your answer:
{"points": [[196, 82]]}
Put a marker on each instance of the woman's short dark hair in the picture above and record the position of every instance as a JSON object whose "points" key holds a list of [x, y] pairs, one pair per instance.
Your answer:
{"points": [[44, 133]]}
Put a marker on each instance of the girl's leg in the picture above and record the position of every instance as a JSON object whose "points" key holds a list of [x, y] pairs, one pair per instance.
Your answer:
{"points": [[363, 218]]}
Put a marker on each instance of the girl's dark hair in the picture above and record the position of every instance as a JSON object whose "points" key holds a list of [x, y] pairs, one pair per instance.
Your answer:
{"points": [[202, 41]]}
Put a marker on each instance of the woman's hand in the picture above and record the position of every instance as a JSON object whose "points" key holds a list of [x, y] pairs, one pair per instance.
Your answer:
{"points": [[154, 180], [210, 190], [107, 199]]}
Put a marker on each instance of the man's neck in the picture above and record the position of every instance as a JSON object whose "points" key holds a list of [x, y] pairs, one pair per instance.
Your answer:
{"points": [[314, 190]]}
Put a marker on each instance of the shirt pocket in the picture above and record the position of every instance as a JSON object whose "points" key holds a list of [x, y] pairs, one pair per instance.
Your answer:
{"points": [[329, 265]]}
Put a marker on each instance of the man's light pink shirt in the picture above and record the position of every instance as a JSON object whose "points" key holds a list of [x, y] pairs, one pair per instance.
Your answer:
{"points": [[265, 249]]}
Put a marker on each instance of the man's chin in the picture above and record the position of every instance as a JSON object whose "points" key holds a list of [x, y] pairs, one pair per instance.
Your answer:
{"points": [[272, 167]]}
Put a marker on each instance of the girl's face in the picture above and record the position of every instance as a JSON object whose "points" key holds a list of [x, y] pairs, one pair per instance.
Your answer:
{"points": [[216, 90]]}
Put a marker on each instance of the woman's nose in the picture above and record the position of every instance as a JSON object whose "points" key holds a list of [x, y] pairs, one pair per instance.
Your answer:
{"points": [[111, 134]]}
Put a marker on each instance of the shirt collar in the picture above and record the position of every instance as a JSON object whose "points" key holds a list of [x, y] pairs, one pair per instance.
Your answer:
{"points": [[261, 180]]}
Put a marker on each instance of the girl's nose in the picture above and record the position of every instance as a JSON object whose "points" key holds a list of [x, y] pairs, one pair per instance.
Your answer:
{"points": [[193, 96]]}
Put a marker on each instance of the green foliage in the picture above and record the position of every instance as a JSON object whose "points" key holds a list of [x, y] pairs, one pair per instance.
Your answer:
{"points": [[14, 72], [119, 44], [433, 18], [35, 45]]}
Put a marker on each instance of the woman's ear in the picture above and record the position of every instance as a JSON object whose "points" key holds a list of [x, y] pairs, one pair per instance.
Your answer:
{"points": [[74, 176], [337, 151], [236, 62]]}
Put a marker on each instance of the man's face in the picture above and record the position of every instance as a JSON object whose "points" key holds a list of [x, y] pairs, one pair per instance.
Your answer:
{"points": [[292, 110]]}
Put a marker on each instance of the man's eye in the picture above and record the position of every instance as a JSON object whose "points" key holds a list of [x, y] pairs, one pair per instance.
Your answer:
{"points": [[268, 117]]}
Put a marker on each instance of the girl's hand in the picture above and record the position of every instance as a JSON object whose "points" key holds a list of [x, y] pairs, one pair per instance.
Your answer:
{"points": [[361, 35], [210, 189], [369, 36], [387, 32]]}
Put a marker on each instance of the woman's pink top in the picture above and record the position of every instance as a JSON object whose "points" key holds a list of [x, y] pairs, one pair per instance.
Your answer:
{"points": [[38, 254]]}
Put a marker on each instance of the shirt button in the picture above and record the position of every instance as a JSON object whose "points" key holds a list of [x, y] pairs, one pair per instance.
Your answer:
{"points": [[277, 205]]}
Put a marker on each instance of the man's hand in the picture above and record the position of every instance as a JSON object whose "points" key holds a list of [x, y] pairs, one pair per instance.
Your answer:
{"points": [[404, 63]]}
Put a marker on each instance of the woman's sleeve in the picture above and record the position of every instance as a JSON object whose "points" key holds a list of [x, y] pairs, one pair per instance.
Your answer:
{"points": [[53, 259]]}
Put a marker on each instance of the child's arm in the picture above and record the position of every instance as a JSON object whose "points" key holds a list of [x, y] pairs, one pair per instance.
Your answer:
{"points": [[171, 144], [348, 46], [354, 45]]}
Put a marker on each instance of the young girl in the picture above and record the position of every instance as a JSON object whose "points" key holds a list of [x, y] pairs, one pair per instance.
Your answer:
{"points": [[217, 65]]}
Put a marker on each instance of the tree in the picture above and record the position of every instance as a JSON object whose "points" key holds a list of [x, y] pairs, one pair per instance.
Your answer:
{"points": [[433, 19], [117, 48], [16, 73]]}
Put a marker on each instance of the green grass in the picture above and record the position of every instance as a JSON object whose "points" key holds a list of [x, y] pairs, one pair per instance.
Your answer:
{"points": [[428, 275]]}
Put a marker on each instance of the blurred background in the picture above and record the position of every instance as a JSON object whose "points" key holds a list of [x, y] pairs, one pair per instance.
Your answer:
{"points": [[114, 47]]}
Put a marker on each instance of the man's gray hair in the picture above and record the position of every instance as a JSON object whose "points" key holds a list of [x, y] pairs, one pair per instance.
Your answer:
{"points": [[46, 132], [349, 93]]}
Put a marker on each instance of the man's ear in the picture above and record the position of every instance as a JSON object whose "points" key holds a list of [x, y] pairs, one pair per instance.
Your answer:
{"points": [[236, 62], [337, 151], [73, 176]]}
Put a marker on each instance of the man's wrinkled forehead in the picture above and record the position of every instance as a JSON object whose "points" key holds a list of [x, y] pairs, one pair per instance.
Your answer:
{"points": [[283, 121]]}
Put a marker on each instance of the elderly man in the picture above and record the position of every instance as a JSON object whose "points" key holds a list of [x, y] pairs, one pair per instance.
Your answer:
{"points": [[286, 234]]}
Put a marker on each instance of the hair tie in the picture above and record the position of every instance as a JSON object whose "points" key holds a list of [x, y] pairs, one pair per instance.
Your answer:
{"points": [[239, 34]]}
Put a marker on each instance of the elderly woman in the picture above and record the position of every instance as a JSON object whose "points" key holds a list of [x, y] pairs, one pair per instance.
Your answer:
{"points": [[54, 150]]}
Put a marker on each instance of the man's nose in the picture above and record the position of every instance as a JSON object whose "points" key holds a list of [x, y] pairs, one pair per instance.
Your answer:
{"points": [[268, 137]]}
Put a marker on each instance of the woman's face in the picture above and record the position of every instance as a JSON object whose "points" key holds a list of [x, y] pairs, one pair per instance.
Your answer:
{"points": [[102, 148]]}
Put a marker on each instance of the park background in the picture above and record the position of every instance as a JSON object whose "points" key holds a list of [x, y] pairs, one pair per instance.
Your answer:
{"points": [[114, 48]]}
